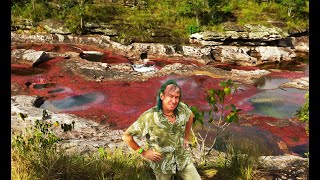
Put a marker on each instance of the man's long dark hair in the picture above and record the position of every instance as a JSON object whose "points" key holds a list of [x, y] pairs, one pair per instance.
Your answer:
{"points": [[161, 90]]}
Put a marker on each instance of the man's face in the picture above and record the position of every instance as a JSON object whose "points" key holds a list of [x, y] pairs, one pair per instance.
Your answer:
{"points": [[170, 98]]}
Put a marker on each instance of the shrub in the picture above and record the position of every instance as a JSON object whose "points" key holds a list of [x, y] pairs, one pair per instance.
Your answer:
{"points": [[36, 154], [303, 112], [221, 114], [192, 28]]}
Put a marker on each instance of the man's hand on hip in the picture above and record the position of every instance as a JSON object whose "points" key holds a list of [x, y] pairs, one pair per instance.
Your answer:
{"points": [[151, 155]]}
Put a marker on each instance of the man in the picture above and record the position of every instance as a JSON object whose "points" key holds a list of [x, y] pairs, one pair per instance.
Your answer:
{"points": [[166, 128]]}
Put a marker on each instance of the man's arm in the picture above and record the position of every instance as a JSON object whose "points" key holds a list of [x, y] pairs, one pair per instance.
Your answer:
{"points": [[188, 129], [128, 138], [148, 154]]}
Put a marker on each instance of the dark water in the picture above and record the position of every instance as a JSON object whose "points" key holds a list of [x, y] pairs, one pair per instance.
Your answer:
{"points": [[246, 138], [300, 149], [278, 103], [268, 82], [254, 138], [43, 86], [56, 90]]}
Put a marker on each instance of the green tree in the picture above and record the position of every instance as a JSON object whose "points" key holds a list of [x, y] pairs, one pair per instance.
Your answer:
{"points": [[192, 8], [220, 10], [77, 16], [294, 6]]}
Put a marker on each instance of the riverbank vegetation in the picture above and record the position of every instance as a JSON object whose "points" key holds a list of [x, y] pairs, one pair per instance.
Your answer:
{"points": [[221, 114], [303, 112], [139, 20], [37, 152]]}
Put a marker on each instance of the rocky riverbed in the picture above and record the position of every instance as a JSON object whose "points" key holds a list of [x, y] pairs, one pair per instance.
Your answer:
{"points": [[87, 136], [49, 68]]}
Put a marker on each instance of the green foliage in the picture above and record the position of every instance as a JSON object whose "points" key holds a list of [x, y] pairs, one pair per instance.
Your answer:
{"points": [[303, 112], [217, 99], [178, 16], [198, 115], [73, 22], [191, 9], [53, 164], [251, 13], [192, 28], [39, 137], [103, 13], [271, 7], [220, 11], [36, 154], [294, 7], [237, 161], [221, 114], [240, 162], [63, 7], [125, 165], [37, 11], [78, 16], [19, 2]]}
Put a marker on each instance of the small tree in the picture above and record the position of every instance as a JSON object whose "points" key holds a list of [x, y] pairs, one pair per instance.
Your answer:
{"points": [[293, 6], [221, 107], [192, 8]]}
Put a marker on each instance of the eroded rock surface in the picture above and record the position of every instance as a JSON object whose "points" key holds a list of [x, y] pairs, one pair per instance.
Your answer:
{"points": [[244, 55], [301, 83], [86, 136], [282, 167]]}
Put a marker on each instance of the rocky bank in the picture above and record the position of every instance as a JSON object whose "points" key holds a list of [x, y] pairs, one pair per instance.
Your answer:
{"points": [[139, 65]]}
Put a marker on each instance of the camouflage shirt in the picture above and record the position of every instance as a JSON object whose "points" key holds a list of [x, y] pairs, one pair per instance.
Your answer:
{"points": [[164, 137]]}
